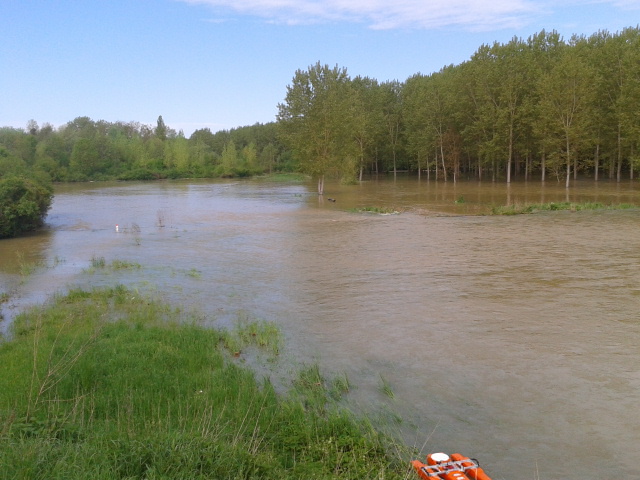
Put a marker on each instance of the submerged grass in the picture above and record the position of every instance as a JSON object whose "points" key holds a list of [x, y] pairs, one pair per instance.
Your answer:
{"points": [[523, 208], [100, 264], [28, 267], [379, 210], [107, 384]]}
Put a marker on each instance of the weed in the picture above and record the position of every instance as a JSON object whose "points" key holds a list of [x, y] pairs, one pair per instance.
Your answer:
{"points": [[135, 229], [194, 273], [245, 333], [386, 388], [378, 210], [161, 219], [27, 267], [98, 263], [340, 386], [124, 265]]}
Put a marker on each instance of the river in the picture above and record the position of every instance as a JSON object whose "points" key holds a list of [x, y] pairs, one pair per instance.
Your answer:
{"points": [[511, 339]]}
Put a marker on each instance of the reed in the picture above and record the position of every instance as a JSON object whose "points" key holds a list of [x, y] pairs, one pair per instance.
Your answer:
{"points": [[109, 384], [28, 267], [98, 263], [386, 388]]}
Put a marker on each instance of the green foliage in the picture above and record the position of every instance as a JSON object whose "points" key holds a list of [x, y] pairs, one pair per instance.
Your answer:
{"points": [[107, 384], [317, 121], [85, 150], [24, 204]]}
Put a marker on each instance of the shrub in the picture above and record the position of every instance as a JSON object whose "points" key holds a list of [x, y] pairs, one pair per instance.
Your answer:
{"points": [[24, 204]]}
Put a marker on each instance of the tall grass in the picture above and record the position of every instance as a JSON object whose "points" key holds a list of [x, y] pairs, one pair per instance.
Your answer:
{"points": [[106, 384]]}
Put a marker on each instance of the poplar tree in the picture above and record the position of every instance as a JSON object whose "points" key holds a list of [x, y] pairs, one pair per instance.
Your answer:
{"points": [[316, 122]]}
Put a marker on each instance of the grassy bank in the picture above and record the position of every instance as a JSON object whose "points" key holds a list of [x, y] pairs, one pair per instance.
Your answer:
{"points": [[105, 384]]}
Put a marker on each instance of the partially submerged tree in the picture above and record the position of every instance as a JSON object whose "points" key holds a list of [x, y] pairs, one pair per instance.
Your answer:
{"points": [[317, 123], [24, 204]]}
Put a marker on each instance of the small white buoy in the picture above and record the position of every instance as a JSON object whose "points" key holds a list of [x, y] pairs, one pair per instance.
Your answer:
{"points": [[117, 228]]}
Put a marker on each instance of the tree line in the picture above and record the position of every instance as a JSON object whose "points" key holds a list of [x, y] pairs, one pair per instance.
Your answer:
{"points": [[542, 107], [536, 107], [84, 149]]}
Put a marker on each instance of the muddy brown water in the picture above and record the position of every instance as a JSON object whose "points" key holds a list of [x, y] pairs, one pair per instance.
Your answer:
{"points": [[514, 340]]}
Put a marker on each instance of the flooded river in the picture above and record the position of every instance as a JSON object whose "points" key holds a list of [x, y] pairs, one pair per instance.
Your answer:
{"points": [[515, 340]]}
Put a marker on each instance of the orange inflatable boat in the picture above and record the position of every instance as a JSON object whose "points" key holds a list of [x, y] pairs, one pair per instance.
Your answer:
{"points": [[441, 466]]}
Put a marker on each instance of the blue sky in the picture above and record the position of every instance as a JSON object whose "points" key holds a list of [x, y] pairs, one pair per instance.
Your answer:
{"points": [[226, 63]]}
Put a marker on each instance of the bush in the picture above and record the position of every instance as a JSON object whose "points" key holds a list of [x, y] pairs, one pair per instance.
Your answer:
{"points": [[24, 204]]}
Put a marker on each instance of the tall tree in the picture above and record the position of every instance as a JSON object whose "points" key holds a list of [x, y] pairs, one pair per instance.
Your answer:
{"points": [[566, 91], [392, 114], [161, 129], [316, 123]]}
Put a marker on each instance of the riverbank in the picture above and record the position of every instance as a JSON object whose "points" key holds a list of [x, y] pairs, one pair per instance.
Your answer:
{"points": [[109, 384]]}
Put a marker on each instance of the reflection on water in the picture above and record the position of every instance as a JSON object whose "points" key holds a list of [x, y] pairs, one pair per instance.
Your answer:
{"points": [[511, 339]]}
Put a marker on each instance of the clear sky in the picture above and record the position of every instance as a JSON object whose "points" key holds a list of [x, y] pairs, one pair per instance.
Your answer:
{"points": [[227, 63]]}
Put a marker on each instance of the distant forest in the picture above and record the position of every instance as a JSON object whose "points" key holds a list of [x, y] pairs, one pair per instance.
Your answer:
{"points": [[544, 108]]}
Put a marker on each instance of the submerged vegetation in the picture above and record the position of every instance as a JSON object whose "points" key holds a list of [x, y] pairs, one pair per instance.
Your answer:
{"points": [[108, 384], [379, 210], [522, 208]]}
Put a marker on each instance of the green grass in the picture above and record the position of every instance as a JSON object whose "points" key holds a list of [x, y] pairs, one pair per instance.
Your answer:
{"points": [[246, 334], [124, 265], [386, 388], [194, 273], [100, 264], [523, 208], [108, 384], [379, 210]]}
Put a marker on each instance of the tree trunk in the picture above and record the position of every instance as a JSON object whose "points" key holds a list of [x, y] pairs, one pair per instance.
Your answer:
{"points": [[321, 185], [444, 169], [619, 162], [568, 164], [596, 162]]}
